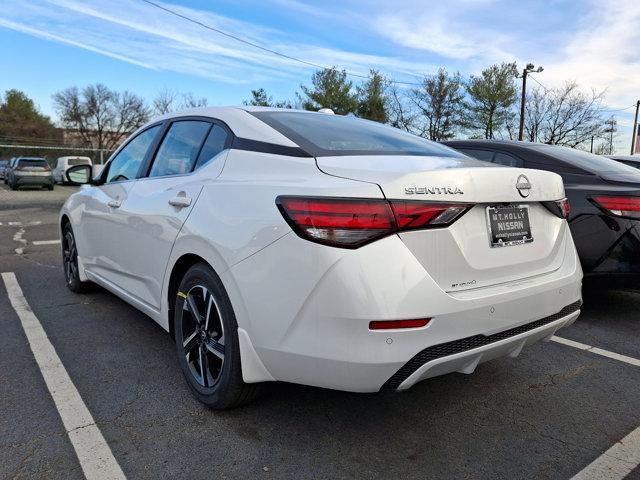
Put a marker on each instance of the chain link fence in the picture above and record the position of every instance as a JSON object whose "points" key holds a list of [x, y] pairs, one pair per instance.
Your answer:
{"points": [[52, 152]]}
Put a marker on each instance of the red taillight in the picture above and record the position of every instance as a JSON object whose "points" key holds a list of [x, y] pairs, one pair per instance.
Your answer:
{"points": [[411, 215], [619, 206], [338, 222], [394, 324], [565, 207], [351, 223], [560, 208]]}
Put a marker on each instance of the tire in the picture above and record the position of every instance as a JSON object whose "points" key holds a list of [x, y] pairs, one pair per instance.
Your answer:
{"points": [[213, 337], [70, 262], [50, 187], [13, 186]]}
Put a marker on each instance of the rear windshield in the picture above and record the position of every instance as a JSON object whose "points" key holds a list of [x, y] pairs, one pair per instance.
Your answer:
{"points": [[78, 161], [324, 135], [32, 162], [585, 160]]}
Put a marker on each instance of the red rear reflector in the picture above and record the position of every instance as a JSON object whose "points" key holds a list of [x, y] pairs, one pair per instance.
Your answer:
{"points": [[619, 206], [351, 223], [394, 324]]}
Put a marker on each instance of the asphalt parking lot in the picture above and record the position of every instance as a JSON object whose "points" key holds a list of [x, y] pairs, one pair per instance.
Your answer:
{"points": [[549, 413]]}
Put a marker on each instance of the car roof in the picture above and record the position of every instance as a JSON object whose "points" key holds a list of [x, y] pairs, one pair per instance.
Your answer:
{"points": [[241, 121], [480, 142], [626, 158]]}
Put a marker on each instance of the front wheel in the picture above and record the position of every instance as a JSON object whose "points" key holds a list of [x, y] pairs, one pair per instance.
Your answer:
{"points": [[206, 335]]}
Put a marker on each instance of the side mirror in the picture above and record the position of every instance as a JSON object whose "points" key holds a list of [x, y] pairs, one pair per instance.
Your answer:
{"points": [[79, 175]]}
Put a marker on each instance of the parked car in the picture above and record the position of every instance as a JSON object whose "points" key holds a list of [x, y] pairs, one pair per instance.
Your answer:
{"points": [[29, 172], [631, 160], [321, 249], [63, 163], [604, 196], [8, 167], [3, 166]]}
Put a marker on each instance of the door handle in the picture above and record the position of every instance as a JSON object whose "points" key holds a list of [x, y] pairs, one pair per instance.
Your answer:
{"points": [[114, 203], [180, 201]]}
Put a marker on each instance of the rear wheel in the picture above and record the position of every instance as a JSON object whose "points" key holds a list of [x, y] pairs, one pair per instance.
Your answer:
{"points": [[50, 187], [70, 261], [13, 186], [206, 335]]}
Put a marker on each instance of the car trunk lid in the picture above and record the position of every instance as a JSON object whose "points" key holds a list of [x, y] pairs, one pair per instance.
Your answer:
{"points": [[461, 256]]}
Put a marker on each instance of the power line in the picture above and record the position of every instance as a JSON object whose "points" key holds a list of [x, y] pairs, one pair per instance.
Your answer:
{"points": [[255, 45]]}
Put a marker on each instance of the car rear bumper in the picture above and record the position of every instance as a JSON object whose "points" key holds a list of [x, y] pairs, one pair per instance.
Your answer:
{"points": [[465, 354], [607, 245], [312, 326], [33, 180]]}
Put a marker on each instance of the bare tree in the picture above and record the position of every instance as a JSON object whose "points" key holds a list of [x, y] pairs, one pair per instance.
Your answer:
{"points": [[402, 114], [102, 117], [164, 101], [439, 101], [190, 101], [564, 116], [537, 113]]}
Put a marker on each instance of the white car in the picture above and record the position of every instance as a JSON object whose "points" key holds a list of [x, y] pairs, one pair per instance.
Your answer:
{"points": [[321, 249], [64, 163]]}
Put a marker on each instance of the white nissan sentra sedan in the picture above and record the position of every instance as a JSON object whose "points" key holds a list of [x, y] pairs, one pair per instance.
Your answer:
{"points": [[321, 249]]}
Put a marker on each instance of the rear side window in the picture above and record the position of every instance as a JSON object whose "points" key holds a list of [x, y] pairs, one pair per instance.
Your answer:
{"points": [[215, 143], [179, 149], [484, 155], [78, 161], [126, 164], [507, 160]]}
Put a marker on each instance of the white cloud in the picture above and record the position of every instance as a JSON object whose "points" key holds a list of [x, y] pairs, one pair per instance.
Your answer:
{"points": [[142, 34], [603, 53]]}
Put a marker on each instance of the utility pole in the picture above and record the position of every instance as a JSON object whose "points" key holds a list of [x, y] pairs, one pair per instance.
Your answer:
{"points": [[591, 143], [611, 129], [527, 70], [635, 129]]}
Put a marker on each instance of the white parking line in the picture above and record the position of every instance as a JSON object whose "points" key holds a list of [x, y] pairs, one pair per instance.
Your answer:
{"points": [[597, 351], [45, 242], [621, 459], [94, 454], [617, 462]]}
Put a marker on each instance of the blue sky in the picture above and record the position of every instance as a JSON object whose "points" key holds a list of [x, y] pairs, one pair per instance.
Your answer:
{"points": [[47, 45]]}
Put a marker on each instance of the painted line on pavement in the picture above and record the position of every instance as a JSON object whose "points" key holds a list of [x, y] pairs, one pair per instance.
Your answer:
{"points": [[597, 351], [95, 456], [622, 458], [616, 463], [45, 242]]}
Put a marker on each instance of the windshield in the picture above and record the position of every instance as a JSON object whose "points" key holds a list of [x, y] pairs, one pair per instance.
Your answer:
{"points": [[330, 135], [585, 160]]}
